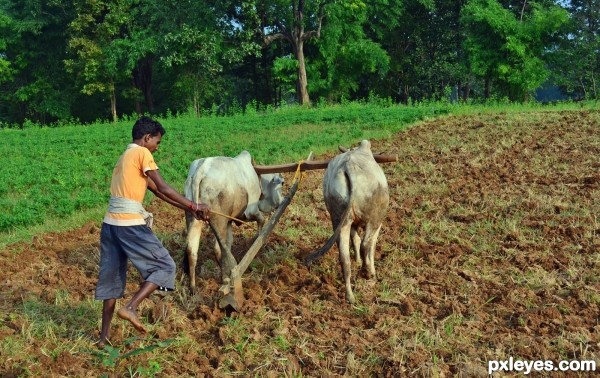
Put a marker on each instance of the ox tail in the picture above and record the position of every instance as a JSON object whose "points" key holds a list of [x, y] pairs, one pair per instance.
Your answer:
{"points": [[336, 233]]}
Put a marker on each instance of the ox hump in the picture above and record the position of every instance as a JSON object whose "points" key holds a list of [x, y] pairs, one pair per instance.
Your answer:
{"points": [[365, 145], [244, 157]]}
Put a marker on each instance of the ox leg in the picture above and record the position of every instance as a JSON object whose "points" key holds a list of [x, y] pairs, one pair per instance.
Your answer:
{"points": [[344, 256], [224, 257], [194, 232], [229, 242], [260, 221], [219, 227], [368, 250], [356, 245], [229, 261]]}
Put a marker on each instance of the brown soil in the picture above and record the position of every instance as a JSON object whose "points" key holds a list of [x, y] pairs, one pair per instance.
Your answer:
{"points": [[490, 250]]}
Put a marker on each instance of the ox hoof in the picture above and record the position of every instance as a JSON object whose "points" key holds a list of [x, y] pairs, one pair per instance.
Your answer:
{"points": [[350, 298], [368, 275]]}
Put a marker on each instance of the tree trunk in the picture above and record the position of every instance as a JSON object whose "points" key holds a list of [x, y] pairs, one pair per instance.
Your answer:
{"points": [[113, 103], [137, 103], [142, 78], [486, 88], [302, 82], [405, 95], [138, 107], [196, 98], [583, 88], [466, 92]]}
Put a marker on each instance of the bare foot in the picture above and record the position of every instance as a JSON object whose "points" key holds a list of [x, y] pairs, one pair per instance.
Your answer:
{"points": [[126, 314], [100, 344]]}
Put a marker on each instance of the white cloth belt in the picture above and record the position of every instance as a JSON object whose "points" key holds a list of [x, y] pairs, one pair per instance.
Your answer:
{"points": [[120, 205]]}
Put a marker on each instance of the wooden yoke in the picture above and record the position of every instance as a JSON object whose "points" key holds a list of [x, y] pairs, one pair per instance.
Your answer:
{"points": [[313, 165]]}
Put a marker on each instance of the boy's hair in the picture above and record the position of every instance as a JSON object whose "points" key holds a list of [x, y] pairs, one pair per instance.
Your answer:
{"points": [[147, 125]]}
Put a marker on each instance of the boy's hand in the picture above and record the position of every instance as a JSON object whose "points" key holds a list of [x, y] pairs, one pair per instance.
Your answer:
{"points": [[203, 211]]}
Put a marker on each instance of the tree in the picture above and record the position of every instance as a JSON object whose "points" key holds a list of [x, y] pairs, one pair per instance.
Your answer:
{"points": [[507, 46], [425, 42], [296, 27], [580, 43], [100, 45], [5, 64], [292, 21], [348, 64], [195, 51], [33, 84]]}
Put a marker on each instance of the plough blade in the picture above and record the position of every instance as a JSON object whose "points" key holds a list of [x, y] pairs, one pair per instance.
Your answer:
{"points": [[232, 293]]}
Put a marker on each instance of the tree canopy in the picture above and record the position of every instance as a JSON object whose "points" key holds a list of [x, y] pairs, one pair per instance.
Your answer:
{"points": [[90, 59]]}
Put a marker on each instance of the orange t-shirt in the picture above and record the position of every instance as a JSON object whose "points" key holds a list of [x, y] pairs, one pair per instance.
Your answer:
{"points": [[129, 180]]}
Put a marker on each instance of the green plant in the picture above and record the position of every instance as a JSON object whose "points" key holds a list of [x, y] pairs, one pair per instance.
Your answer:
{"points": [[112, 357]]}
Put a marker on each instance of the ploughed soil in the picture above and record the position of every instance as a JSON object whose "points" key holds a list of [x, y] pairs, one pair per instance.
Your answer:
{"points": [[489, 251]]}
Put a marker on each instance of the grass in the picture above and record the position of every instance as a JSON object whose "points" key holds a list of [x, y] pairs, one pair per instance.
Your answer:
{"points": [[54, 173]]}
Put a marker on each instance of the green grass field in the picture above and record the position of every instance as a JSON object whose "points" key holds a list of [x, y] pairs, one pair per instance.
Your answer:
{"points": [[58, 177]]}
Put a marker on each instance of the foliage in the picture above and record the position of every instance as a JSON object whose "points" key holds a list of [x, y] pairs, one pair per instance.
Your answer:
{"points": [[101, 47], [33, 83], [194, 48], [507, 48], [346, 57], [424, 40], [580, 43], [105, 59], [112, 357]]}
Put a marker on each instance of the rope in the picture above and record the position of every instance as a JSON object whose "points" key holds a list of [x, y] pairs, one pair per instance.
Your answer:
{"points": [[299, 174], [232, 218]]}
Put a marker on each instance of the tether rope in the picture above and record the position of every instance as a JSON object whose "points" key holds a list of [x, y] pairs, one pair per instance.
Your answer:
{"points": [[232, 218]]}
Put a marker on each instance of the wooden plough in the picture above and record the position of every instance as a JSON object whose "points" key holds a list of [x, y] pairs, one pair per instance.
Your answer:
{"points": [[231, 291]]}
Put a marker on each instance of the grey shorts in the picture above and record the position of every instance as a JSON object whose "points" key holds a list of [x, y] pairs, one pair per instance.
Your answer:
{"points": [[143, 249]]}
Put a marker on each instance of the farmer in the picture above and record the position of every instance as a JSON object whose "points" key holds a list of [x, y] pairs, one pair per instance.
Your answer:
{"points": [[126, 232]]}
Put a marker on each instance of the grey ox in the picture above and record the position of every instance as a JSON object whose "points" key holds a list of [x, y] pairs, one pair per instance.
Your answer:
{"points": [[356, 195], [232, 187]]}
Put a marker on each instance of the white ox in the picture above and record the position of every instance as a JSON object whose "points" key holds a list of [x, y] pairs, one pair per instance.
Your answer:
{"points": [[228, 186], [356, 195]]}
